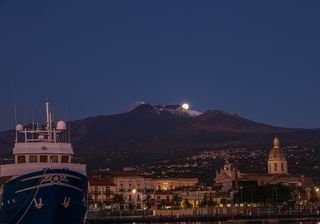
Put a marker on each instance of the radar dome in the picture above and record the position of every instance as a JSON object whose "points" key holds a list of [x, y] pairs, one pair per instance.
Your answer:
{"points": [[61, 125], [19, 127]]}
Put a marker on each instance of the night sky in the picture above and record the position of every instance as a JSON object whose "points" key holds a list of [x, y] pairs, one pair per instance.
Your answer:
{"points": [[259, 59]]}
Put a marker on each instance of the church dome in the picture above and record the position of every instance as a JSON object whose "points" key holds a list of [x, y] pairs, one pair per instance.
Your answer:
{"points": [[276, 152]]}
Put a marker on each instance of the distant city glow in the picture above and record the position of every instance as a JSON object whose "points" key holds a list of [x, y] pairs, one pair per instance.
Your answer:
{"points": [[185, 106]]}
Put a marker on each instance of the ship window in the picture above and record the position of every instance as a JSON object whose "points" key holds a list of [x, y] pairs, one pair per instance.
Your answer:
{"points": [[21, 159], [54, 159], [33, 159], [64, 159], [43, 159]]}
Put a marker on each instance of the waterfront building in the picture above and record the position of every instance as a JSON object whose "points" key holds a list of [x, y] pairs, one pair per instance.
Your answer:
{"points": [[196, 196], [135, 189], [100, 192], [171, 184], [131, 187], [230, 179], [163, 198]]}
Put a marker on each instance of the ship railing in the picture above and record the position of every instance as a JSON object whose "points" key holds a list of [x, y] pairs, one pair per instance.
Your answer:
{"points": [[41, 136]]}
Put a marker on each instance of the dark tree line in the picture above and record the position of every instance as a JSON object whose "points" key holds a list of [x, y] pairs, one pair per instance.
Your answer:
{"points": [[264, 194]]}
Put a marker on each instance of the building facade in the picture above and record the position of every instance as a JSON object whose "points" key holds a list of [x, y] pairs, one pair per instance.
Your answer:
{"points": [[131, 187], [277, 162], [229, 178], [171, 184], [100, 192]]}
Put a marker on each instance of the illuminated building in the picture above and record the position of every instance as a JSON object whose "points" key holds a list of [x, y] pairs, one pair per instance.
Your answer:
{"points": [[132, 188], [171, 184], [229, 178]]}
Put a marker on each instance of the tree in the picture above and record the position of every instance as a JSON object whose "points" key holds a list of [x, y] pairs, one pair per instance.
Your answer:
{"points": [[224, 201], [118, 199], [186, 203], [212, 203], [176, 199], [147, 201], [270, 193], [131, 206], [107, 202], [162, 204], [204, 201], [90, 200]]}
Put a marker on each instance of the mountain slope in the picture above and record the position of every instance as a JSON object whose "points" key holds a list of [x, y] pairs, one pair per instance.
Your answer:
{"points": [[143, 124], [149, 133]]}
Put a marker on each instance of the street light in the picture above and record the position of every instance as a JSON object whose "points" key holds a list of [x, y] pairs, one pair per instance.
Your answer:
{"points": [[134, 191], [241, 194], [316, 189], [275, 190]]}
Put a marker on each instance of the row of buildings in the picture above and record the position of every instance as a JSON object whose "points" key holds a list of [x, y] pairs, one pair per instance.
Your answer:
{"points": [[127, 190], [230, 179]]}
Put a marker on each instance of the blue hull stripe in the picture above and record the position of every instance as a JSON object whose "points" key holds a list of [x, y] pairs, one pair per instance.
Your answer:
{"points": [[52, 196]]}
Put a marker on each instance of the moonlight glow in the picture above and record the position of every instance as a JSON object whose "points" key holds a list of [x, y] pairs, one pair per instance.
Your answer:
{"points": [[185, 106]]}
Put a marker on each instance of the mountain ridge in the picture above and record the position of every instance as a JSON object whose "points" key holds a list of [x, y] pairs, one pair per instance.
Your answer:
{"points": [[149, 133]]}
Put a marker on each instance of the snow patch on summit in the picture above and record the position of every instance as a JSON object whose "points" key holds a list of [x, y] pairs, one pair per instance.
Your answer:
{"points": [[178, 110]]}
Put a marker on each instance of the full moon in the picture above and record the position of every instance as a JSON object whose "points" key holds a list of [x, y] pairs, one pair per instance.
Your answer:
{"points": [[185, 106]]}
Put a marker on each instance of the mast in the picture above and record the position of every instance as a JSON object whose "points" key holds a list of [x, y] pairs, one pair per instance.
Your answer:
{"points": [[49, 132], [47, 113]]}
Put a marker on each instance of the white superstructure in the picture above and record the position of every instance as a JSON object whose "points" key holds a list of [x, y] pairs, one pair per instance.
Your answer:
{"points": [[38, 147]]}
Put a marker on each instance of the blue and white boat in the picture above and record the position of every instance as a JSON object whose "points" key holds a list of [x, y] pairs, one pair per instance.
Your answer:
{"points": [[43, 185]]}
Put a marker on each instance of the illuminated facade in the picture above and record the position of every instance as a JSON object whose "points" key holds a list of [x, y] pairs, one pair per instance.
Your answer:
{"points": [[132, 188], [171, 184], [229, 178], [277, 163]]}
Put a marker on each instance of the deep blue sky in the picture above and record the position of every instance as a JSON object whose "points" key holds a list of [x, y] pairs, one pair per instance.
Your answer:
{"points": [[259, 59]]}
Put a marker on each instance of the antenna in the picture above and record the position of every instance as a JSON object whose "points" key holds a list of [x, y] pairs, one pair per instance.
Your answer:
{"points": [[25, 118], [66, 113], [69, 132], [52, 113], [14, 108], [14, 103], [32, 115]]}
